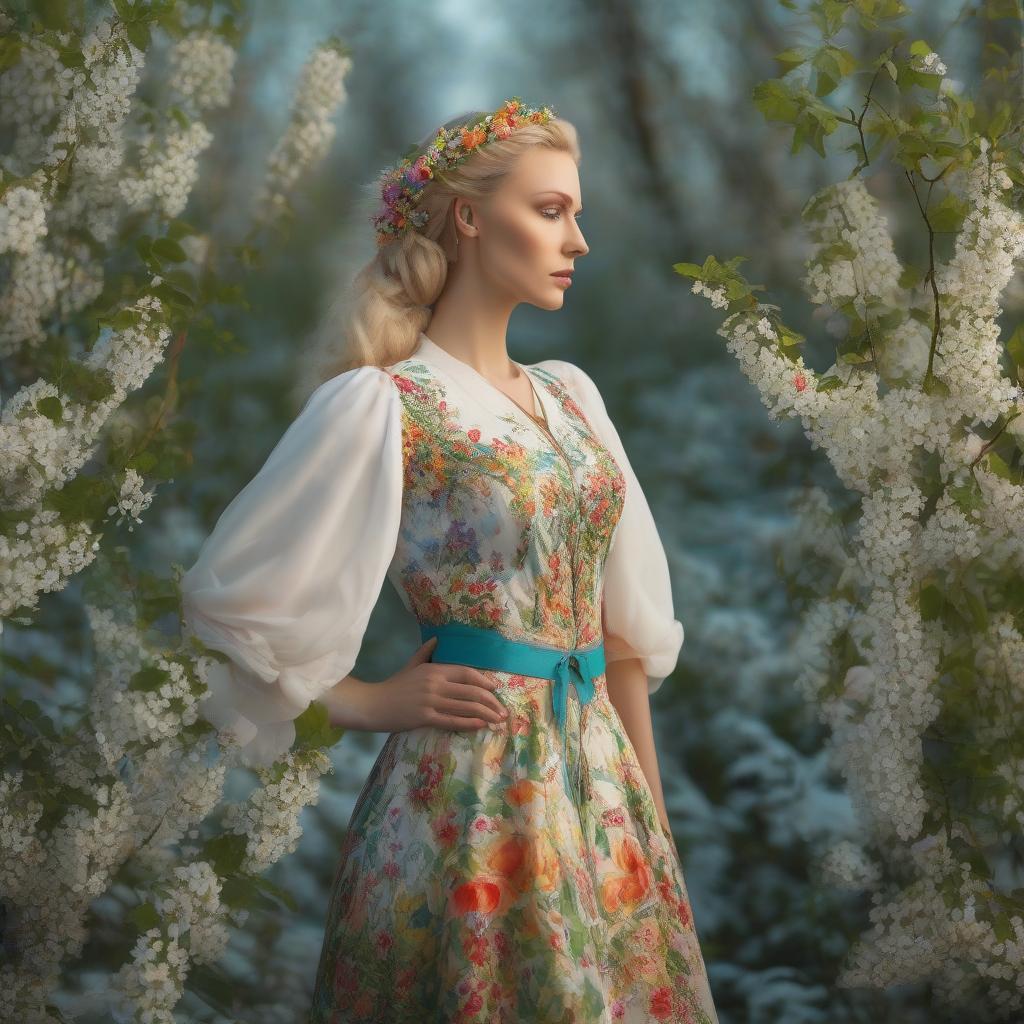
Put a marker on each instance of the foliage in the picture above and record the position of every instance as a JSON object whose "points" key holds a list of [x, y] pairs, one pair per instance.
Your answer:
{"points": [[103, 282], [914, 624]]}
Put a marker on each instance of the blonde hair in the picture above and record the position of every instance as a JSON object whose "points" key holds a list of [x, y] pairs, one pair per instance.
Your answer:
{"points": [[389, 300]]}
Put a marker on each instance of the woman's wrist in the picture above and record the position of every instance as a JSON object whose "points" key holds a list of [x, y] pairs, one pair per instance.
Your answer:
{"points": [[350, 704]]}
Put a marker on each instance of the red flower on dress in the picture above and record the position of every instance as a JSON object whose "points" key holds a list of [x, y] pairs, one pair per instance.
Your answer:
{"points": [[661, 1003], [478, 896], [474, 434]]}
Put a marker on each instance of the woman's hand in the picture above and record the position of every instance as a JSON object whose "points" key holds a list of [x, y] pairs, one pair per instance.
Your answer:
{"points": [[441, 695]]}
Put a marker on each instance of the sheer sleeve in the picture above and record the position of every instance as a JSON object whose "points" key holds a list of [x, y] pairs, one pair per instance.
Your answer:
{"points": [[637, 610], [286, 581]]}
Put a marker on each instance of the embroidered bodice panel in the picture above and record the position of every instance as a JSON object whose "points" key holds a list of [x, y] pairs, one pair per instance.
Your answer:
{"points": [[504, 525]]}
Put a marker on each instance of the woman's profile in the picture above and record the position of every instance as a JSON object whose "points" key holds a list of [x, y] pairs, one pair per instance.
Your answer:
{"points": [[509, 857]]}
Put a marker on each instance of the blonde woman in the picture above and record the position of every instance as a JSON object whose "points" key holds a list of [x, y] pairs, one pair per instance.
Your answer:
{"points": [[509, 857]]}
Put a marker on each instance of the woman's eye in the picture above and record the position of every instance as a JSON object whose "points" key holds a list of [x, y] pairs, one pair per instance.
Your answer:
{"points": [[557, 213]]}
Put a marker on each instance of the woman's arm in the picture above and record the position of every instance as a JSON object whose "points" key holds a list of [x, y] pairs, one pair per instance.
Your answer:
{"points": [[627, 690]]}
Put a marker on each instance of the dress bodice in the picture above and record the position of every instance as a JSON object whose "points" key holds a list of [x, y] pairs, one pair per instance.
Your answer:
{"points": [[505, 524]]}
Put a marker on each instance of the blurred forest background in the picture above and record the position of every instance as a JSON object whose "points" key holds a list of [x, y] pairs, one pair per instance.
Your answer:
{"points": [[677, 163]]}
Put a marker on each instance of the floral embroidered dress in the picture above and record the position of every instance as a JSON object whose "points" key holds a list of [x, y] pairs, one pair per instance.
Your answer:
{"points": [[471, 886]]}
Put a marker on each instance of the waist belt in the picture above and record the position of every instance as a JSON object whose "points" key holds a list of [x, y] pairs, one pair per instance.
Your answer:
{"points": [[486, 648]]}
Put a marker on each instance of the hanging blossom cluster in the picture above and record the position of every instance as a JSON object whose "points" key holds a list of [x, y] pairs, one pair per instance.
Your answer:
{"points": [[269, 819], [49, 879], [22, 219], [932, 931], [202, 70], [132, 499], [168, 173], [61, 115], [201, 79], [192, 930], [946, 925], [147, 715], [845, 215], [44, 449], [310, 131], [50, 876]]}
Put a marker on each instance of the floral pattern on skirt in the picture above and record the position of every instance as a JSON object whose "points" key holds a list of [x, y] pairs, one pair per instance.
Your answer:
{"points": [[471, 889]]}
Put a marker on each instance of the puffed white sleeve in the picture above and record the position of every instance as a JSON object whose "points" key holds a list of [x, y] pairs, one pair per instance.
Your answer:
{"points": [[286, 581], [637, 609]]}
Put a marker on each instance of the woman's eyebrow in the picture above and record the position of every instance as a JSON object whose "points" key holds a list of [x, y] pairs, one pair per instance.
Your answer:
{"points": [[555, 192]]}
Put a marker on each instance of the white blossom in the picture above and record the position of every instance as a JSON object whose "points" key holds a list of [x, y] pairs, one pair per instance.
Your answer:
{"points": [[310, 131], [202, 68]]}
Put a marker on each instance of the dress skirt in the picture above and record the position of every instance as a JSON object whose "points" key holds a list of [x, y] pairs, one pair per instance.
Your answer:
{"points": [[473, 887]]}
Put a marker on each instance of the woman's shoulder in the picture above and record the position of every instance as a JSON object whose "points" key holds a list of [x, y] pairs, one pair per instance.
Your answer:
{"points": [[362, 391], [366, 379]]}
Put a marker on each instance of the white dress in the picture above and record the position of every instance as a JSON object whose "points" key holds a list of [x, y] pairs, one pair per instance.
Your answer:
{"points": [[427, 474]]}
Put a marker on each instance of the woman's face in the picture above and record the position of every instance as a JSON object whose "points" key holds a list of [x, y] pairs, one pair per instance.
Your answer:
{"points": [[527, 230]]}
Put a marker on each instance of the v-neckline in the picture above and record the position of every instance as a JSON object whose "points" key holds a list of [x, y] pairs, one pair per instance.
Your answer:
{"points": [[461, 366]]}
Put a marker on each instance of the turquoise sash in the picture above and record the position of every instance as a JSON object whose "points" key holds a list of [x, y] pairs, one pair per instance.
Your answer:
{"points": [[486, 648]]}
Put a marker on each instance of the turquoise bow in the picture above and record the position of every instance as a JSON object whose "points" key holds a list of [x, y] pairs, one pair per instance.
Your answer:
{"points": [[571, 663]]}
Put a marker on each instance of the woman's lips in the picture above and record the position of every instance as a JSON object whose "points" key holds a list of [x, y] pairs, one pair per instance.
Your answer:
{"points": [[565, 279]]}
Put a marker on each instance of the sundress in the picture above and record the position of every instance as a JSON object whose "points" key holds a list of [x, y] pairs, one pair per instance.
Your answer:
{"points": [[471, 884]]}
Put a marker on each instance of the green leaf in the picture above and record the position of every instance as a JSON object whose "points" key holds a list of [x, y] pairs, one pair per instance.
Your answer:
{"points": [[179, 229], [239, 890], [931, 601], [10, 51], [172, 296], [824, 84], [218, 989], [51, 408], [1015, 345], [911, 275], [138, 33], [998, 466], [168, 249], [313, 730], [792, 58], [144, 917], [775, 101], [72, 57], [148, 679], [787, 336], [275, 891], [688, 269], [53, 14], [225, 853], [967, 496], [124, 319]]}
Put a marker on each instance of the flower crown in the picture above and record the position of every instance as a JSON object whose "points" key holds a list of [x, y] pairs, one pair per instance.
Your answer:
{"points": [[401, 183]]}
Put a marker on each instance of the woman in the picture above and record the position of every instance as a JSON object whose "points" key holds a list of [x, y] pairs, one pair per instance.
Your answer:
{"points": [[526, 871]]}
